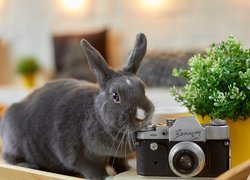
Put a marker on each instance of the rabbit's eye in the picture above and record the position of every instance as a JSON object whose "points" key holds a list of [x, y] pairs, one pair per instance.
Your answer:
{"points": [[116, 97]]}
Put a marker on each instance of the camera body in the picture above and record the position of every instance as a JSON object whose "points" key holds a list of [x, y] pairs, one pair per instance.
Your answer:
{"points": [[183, 147]]}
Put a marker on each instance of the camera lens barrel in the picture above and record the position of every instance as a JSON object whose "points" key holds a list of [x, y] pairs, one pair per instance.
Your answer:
{"points": [[186, 159]]}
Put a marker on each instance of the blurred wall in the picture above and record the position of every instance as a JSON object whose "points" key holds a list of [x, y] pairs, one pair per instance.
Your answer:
{"points": [[28, 25]]}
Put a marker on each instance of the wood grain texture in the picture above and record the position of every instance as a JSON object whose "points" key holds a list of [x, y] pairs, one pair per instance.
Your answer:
{"points": [[240, 172], [9, 172]]}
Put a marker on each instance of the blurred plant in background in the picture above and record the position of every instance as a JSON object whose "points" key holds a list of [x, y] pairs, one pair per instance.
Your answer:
{"points": [[28, 67]]}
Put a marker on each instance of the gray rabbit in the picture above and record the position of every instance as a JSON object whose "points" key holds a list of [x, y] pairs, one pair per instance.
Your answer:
{"points": [[74, 127]]}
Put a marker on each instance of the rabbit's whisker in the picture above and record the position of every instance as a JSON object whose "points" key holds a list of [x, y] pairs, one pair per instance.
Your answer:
{"points": [[130, 142], [133, 139], [118, 149], [114, 142], [126, 141]]}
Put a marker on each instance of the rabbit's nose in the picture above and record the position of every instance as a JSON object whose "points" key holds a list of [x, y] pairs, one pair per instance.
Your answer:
{"points": [[140, 114]]}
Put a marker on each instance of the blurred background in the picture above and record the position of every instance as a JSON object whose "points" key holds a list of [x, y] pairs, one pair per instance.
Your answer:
{"points": [[43, 36]]}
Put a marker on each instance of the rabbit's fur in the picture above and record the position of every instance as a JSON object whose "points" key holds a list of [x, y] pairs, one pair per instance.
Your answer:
{"points": [[72, 126]]}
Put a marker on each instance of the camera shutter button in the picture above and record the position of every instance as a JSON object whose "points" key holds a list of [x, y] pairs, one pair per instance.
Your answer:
{"points": [[164, 133], [153, 146]]}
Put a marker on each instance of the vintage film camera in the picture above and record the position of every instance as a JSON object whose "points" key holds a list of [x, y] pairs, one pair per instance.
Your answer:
{"points": [[183, 147]]}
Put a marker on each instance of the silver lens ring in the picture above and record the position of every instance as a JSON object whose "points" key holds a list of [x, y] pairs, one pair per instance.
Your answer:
{"points": [[195, 149]]}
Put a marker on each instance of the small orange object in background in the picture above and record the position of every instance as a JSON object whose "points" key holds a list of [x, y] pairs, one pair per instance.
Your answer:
{"points": [[2, 110]]}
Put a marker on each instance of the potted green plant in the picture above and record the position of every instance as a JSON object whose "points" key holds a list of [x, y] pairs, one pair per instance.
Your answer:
{"points": [[28, 67], [218, 86]]}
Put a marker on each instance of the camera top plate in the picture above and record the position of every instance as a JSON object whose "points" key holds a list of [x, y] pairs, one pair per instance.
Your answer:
{"points": [[187, 129], [184, 129]]}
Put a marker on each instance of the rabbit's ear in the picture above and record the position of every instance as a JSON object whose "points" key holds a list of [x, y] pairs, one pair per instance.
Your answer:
{"points": [[97, 63], [137, 54]]}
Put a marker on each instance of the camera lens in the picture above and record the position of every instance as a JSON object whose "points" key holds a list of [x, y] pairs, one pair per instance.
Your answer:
{"points": [[186, 159]]}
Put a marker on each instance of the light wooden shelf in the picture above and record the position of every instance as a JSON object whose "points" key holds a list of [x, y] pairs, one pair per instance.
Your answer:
{"points": [[10, 172]]}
